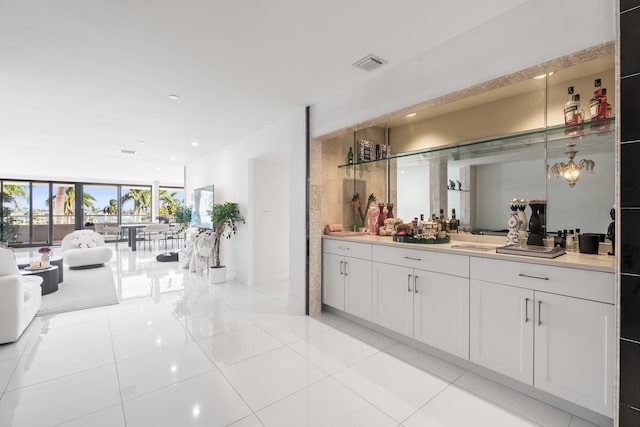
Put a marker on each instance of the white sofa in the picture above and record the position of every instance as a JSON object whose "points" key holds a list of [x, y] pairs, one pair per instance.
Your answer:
{"points": [[20, 298], [85, 249]]}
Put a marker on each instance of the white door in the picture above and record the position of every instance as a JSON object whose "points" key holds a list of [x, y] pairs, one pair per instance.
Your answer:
{"points": [[574, 346], [501, 329], [357, 287], [393, 297], [333, 280], [441, 311]]}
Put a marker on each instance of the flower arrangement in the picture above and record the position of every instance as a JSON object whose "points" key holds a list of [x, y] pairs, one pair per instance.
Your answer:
{"points": [[44, 250]]}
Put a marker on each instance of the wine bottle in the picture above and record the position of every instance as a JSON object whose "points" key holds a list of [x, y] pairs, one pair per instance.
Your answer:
{"points": [[453, 222], [442, 226], [350, 156]]}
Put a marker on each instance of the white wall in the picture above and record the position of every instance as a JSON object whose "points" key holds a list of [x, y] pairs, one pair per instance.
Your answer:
{"points": [[228, 170], [269, 228], [530, 34]]}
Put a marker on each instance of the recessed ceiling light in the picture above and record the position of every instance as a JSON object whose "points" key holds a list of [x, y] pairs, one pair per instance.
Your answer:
{"points": [[195, 143], [127, 151], [174, 97], [141, 142], [157, 169], [172, 158], [411, 114]]}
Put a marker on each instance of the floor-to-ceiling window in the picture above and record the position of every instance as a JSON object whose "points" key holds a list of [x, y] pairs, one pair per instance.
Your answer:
{"points": [[40, 212], [43, 212], [170, 199], [101, 204], [62, 206], [16, 206], [136, 204]]}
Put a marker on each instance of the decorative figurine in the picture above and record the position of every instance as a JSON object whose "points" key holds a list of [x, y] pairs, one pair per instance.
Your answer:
{"points": [[373, 220], [459, 185], [611, 231], [452, 185], [513, 237]]}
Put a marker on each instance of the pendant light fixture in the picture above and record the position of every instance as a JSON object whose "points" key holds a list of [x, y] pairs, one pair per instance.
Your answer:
{"points": [[571, 171]]}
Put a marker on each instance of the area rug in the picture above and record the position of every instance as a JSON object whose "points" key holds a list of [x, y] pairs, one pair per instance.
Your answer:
{"points": [[81, 289]]}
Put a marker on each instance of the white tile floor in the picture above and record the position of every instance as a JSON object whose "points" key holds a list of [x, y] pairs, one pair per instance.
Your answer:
{"points": [[220, 355]]}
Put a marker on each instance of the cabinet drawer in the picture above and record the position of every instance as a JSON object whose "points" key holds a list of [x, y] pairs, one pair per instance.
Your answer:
{"points": [[457, 265], [592, 285], [352, 249]]}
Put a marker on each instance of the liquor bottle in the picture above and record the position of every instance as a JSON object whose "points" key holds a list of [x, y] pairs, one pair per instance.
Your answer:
{"points": [[608, 107], [570, 109], [598, 103], [350, 156], [442, 226], [453, 222]]}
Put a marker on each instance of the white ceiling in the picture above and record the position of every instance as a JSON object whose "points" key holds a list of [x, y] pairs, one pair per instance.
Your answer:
{"points": [[93, 77]]}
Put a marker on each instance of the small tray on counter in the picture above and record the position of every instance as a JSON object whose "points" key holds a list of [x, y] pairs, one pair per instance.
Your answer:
{"points": [[532, 251], [407, 239]]}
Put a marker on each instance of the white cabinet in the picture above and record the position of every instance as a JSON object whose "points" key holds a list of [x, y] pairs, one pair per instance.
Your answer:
{"points": [[357, 287], [441, 311], [431, 307], [574, 350], [501, 329], [333, 280], [393, 297], [561, 344], [346, 279]]}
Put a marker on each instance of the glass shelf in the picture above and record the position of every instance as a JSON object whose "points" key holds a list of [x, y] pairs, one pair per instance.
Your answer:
{"points": [[585, 134]]}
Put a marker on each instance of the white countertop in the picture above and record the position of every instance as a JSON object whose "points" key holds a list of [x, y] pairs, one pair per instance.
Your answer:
{"points": [[600, 262]]}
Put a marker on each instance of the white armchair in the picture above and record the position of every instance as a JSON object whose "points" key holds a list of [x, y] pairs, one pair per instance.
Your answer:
{"points": [[20, 298], [85, 249]]}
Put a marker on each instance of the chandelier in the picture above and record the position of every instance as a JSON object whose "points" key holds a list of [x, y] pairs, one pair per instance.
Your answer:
{"points": [[571, 171]]}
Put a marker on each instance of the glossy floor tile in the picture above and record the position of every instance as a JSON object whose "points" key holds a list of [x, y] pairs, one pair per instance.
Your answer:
{"points": [[396, 387], [110, 417], [333, 350], [163, 368], [61, 400], [232, 355], [269, 377], [231, 347], [327, 403], [455, 407], [207, 400]]}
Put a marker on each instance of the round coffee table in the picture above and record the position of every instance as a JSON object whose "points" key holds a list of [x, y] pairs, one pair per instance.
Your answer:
{"points": [[49, 278]]}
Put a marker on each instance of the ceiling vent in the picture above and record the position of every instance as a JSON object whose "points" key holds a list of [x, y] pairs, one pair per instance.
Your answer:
{"points": [[370, 62], [127, 152]]}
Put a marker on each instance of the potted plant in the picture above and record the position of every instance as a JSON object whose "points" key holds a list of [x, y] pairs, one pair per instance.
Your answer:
{"points": [[225, 218], [183, 215]]}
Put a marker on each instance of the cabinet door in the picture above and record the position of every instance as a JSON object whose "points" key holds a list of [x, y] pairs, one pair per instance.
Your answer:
{"points": [[393, 297], [333, 280], [574, 342], [501, 329], [441, 311], [357, 287]]}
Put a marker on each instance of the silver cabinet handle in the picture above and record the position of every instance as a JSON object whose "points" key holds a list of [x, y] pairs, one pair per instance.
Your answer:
{"points": [[415, 284], [526, 310], [539, 318], [346, 273], [342, 248], [533, 277], [408, 283], [413, 259], [341, 271]]}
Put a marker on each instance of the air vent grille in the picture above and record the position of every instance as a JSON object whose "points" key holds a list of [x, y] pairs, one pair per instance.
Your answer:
{"points": [[370, 62], [127, 152]]}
